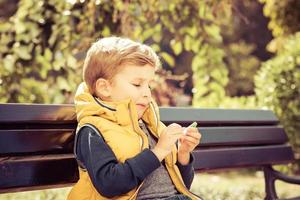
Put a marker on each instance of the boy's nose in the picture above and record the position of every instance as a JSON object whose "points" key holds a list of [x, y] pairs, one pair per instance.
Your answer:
{"points": [[147, 92]]}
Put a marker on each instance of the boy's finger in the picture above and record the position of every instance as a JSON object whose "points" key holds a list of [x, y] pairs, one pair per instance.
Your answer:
{"points": [[194, 134], [174, 125], [192, 130], [177, 131], [190, 139], [190, 145]]}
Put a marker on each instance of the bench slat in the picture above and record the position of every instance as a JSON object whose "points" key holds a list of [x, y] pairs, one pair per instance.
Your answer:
{"points": [[220, 158], [26, 172], [206, 117], [37, 113], [39, 141], [246, 135], [22, 172], [65, 113]]}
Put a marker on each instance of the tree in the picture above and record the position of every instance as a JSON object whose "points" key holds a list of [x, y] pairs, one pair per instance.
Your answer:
{"points": [[44, 42], [278, 80]]}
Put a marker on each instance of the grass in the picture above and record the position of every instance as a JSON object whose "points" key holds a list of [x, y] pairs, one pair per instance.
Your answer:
{"points": [[50, 194], [238, 185], [230, 185]]}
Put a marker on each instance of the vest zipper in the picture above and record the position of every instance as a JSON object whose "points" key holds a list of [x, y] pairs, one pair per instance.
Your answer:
{"points": [[182, 184], [172, 160], [142, 144], [156, 116], [134, 128], [137, 190]]}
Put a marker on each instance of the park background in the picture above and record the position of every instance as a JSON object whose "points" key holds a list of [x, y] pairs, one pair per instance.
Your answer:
{"points": [[214, 53]]}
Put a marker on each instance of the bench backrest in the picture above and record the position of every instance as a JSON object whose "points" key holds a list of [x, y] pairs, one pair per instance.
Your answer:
{"points": [[36, 142]]}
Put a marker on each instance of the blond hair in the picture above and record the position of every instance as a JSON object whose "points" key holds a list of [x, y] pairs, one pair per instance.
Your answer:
{"points": [[106, 57]]}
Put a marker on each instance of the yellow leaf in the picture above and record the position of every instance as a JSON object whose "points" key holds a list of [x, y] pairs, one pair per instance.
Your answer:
{"points": [[168, 58], [176, 46]]}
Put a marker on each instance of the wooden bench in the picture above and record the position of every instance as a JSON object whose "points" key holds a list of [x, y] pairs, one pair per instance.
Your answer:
{"points": [[36, 144]]}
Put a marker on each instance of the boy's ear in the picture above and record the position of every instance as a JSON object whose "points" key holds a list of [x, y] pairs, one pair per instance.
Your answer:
{"points": [[103, 88]]}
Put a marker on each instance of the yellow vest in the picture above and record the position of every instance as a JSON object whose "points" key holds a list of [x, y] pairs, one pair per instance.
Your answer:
{"points": [[118, 124]]}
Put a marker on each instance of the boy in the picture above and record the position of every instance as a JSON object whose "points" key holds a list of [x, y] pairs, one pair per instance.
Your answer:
{"points": [[123, 150]]}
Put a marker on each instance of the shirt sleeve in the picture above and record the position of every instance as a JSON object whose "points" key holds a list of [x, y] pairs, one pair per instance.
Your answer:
{"points": [[109, 177], [187, 172]]}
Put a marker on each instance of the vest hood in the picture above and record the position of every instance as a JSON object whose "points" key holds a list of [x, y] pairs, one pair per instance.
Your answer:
{"points": [[121, 112]]}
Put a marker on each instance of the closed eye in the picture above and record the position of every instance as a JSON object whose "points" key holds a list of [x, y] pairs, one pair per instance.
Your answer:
{"points": [[136, 85]]}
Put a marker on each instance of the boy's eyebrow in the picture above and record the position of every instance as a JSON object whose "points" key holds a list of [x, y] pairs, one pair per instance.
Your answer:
{"points": [[139, 79], [142, 79]]}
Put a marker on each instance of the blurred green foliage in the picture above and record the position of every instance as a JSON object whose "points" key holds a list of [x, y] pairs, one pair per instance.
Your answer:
{"points": [[39, 45], [277, 88], [278, 80], [242, 68], [284, 20], [43, 44], [224, 69]]}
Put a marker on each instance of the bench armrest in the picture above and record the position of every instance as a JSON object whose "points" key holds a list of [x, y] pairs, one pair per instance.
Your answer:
{"points": [[286, 178]]}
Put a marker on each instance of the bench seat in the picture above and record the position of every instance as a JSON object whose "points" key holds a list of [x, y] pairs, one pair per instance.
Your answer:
{"points": [[36, 143]]}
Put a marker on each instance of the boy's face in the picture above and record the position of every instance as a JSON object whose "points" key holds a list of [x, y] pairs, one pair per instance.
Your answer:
{"points": [[133, 82]]}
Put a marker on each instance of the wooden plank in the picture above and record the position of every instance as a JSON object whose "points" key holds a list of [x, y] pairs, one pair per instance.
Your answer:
{"points": [[37, 113], [247, 135], [19, 173], [219, 158], [37, 141], [41, 141], [41, 171], [32, 169], [218, 116], [65, 113]]}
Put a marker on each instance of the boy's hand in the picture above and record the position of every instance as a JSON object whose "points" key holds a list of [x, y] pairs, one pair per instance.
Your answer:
{"points": [[166, 140], [187, 143]]}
